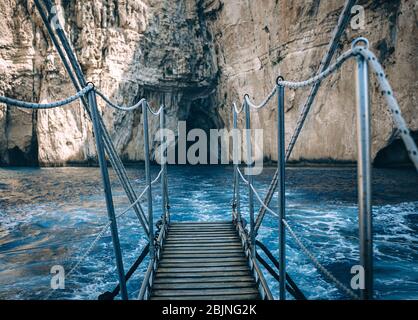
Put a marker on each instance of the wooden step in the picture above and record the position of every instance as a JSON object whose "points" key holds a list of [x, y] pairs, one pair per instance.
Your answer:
{"points": [[207, 269], [197, 274], [205, 279], [203, 285], [204, 245], [202, 255], [203, 261], [203, 237], [201, 264], [203, 242], [204, 292], [214, 259], [238, 297]]}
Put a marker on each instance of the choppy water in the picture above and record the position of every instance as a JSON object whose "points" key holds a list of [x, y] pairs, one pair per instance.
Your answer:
{"points": [[50, 216]]}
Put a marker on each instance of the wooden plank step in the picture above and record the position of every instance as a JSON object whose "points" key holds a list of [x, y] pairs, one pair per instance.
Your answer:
{"points": [[214, 259], [208, 269], [191, 223], [203, 292], [205, 249], [202, 236], [203, 261], [203, 242], [198, 230], [201, 250], [202, 264], [224, 251], [201, 225], [203, 285], [197, 274], [208, 230], [230, 245], [202, 256], [194, 280], [239, 297]]}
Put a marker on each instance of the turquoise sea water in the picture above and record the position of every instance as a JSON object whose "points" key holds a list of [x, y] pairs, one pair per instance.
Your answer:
{"points": [[50, 216]]}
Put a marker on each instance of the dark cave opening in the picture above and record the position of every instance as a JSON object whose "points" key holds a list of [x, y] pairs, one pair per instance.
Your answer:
{"points": [[395, 154], [19, 158], [202, 115]]}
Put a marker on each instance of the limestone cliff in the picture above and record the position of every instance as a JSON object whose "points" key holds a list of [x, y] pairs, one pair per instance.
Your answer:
{"points": [[198, 56]]}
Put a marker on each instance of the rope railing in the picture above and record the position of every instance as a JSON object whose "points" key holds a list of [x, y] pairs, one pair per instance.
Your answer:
{"points": [[386, 90], [103, 140], [318, 265], [73, 68], [363, 54], [106, 227], [297, 293], [87, 94], [31, 105], [137, 105], [311, 256]]}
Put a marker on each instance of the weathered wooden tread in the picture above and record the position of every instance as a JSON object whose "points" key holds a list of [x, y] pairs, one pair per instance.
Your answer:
{"points": [[214, 259], [242, 297], [203, 285], [203, 292], [193, 280], [203, 261], [202, 264]]}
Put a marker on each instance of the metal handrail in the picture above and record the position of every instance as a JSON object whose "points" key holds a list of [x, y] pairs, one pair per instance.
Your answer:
{"points": [[111, 295], [262, 284], [156, 242], [290, 285]]}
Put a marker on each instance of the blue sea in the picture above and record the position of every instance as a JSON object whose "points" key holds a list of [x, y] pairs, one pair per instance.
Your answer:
{"points": [[50, 216]]}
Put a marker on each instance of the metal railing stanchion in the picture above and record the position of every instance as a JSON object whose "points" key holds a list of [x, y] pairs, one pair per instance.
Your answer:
{"points": [[236, 164], [364, 172], [108, 192], [148, 180], [281, 162], [250, 176]]}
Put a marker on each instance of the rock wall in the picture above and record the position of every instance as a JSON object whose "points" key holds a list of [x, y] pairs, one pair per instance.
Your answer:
{"points": [[257, 41], [198, 56], [128, 48]]}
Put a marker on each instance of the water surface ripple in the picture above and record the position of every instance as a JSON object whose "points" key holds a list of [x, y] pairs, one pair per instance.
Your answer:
{"points": [[50, 216]]}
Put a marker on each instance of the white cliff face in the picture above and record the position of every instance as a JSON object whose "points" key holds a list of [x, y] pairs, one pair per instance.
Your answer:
{"points": [[256, 43], [198, 57]]}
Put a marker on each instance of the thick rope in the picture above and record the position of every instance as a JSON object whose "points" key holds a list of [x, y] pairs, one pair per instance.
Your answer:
{"points": [[118, 107], [256, 193], [262, 104], [308, 253], [137, 105], [51, 105], [386, 90], [318, 265], [104, 229], [237, 111], [393, 105], [72, 66]]}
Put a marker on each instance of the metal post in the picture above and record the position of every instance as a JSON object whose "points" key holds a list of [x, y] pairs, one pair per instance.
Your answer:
{"points": [[163, 165], [236, 164], [364, 173], [281, 192], [250, 177], [148, 180], [108, 193]]}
